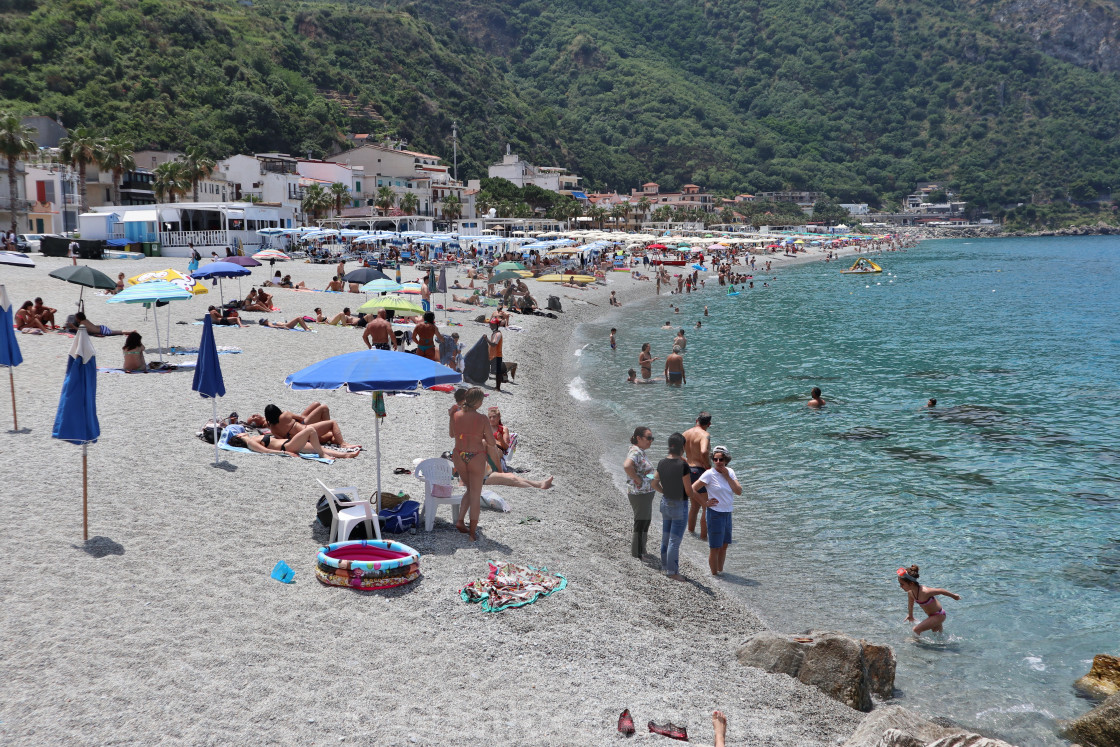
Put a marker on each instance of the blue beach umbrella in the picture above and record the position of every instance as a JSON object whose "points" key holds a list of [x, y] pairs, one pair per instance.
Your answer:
{"points": [[374, 371], [220, 270], [9, 348], [208, 380], [76, 419]]}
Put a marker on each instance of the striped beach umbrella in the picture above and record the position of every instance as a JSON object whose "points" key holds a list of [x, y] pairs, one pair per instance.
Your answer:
{"points": [[266, 254]]}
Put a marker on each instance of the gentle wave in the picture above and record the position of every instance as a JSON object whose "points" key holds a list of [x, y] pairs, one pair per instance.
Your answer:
{"points": [[577, 387]]}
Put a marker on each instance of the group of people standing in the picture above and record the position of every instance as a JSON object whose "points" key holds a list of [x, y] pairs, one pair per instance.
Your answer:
{"points": [[695, 481]]}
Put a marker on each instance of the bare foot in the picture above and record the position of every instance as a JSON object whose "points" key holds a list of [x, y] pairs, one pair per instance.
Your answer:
{"points": [[547, 483], [461, 528], [719, 725]]}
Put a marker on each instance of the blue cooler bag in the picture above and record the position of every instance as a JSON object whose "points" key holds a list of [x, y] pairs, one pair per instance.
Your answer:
{"points": [[400, 518]]}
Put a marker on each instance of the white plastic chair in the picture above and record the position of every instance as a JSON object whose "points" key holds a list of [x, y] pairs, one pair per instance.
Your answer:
{"points": [[345, 515], [434, 472]]}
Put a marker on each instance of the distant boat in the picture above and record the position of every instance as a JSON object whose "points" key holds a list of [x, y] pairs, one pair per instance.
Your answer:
{"points": [[862, 266]]}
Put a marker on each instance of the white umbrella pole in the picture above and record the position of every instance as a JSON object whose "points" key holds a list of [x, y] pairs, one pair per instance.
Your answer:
{"points": [[217, 430], [221, 292], [156, 317], [168, 335], [377, 444], [12, 381]]}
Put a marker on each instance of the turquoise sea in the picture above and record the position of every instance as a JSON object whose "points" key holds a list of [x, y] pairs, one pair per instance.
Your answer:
{"points": [[1008, 492]]}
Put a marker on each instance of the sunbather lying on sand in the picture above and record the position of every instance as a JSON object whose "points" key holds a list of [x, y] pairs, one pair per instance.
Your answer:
{"points": [[304, 442], [285, 424], [469, 300], [290, 324], [97, 330], [227, 317]]}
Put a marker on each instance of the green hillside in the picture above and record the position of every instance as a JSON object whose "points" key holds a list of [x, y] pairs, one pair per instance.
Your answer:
{"points": [[860, 99]]}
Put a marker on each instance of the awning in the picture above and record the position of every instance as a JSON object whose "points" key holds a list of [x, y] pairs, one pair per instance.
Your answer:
{"points": [[579, 195], [169, 215], [141, 216], [232, 213]]}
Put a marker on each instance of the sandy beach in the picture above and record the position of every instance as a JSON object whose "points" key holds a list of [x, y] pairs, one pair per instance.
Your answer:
{"points": [[168, 629]]}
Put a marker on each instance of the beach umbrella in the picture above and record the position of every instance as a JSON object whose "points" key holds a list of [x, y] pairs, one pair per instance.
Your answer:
{"points": [[76, 419], [381, 286], [393, 303], [501, 277], [156, 292], [221, 270], [16, 258], [266, 254], [186, 282], [364, 275], [208, 380], [412, 289], [85, 276], [441, 286], [9, 348], [374, 371], [509, 266], [243, 261]]}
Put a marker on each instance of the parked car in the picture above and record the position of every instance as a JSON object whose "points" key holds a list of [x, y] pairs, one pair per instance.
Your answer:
{"points": [[28, 242]]}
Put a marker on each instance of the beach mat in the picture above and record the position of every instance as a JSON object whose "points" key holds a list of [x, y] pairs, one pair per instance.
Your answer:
{"points": [[509, 585], [243, 450], [185, 366], [476, 363]]}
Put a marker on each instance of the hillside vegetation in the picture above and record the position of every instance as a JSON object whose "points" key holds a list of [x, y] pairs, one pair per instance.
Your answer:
{"points": [[860, 99]]}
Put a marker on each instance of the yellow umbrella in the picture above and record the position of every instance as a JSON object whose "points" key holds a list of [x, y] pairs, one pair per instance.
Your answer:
{"points": [[172, 276], [393, 303]]}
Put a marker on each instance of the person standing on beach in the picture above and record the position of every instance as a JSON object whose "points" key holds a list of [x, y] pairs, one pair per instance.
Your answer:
{"points": [[639, 489], [674, 368], [722, 486], [645, 361], [494, 346], [379, 333], [474, 442], [674, 482], [72, 250], [697, 444], [427, 336], [935, 613]]}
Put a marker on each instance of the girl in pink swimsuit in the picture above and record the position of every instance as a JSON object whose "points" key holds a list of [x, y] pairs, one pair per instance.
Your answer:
{"points": [[926, 598]]}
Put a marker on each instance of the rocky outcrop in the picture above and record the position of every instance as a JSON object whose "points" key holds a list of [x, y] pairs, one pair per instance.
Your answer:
{"points": [[1099, 727], [848, 670], [1103, 679], [1078, 31], [894, 726]]}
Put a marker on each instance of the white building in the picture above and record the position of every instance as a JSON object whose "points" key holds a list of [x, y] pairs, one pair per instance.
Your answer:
{"points": [[402, 171], [326, 173], [210, 227], [13, 207], [554, 178], [52, 190], [269, 178]]}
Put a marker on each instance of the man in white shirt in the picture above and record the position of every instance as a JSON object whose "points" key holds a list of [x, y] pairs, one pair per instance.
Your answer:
{"points": [[723, 486]]}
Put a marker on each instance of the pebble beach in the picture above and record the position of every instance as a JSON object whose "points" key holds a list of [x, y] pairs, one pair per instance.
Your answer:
{"points": [[166, 627]]}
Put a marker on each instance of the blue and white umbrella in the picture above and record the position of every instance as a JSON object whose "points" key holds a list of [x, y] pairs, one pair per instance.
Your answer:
{"points": [[76, 419], [223, 270], [208, 381], [155, 292], [374, 371], [9, 348]]}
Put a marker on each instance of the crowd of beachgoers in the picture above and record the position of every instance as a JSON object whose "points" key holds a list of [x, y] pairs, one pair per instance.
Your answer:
{"points": [[166, 624]]}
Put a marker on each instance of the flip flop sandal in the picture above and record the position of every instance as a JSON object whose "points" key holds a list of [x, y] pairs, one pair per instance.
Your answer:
{"points": [[402, 471], [626, 722], [670, 730]]}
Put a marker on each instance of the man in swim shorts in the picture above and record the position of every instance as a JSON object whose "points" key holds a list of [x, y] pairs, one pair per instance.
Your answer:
{"points": [[95, 330], [379, 333], [697, 444], [674, 367]]}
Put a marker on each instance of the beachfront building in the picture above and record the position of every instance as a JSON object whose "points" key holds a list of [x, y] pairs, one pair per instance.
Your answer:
{"points": [[508, 227], [690, 196], [554, 178], [404, 172], [271, 179], [52, 190], [327, 173], [13, 206], [210, 227]]}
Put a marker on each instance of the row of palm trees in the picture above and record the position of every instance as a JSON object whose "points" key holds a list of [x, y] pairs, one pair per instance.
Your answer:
{"points": [[317, 200], [567, 209], [175, 178]]}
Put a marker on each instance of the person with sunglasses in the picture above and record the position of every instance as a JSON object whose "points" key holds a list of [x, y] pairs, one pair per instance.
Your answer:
{"points": [[723, 486], [639, 489]]}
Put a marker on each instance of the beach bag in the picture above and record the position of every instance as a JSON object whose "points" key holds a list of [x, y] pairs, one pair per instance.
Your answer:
{"points": [[554, 303], [211, 433], [400, 518]]}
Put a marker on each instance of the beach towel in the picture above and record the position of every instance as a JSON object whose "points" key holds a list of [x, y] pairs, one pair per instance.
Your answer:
{"points": [[184, 366], [222, 350], [243, 450], [510, 585]]}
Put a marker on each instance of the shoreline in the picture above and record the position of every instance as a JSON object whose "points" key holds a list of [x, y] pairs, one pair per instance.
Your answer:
{"points": [[182, 610]]}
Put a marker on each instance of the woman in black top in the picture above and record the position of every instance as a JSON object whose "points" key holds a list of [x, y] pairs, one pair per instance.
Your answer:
{"points": [[673, 481]]}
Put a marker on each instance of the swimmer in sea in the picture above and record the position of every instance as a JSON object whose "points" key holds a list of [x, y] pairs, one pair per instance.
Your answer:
{"points": [[816, 400], [667, 326], [932, 403], [613, 330], [926, 598], [632, 378]]}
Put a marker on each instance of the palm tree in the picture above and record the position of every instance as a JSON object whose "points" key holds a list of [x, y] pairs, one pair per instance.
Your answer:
{"points": [[482, 204], [643, 206], [198, 166], [341, 193], [385, 199], [409, 203], [315, 200], [597, 214], [619, 212], [15, 143], [81, 148], [452, 207], [170, 180], [522, 210], [662, 214], [116, 156]]}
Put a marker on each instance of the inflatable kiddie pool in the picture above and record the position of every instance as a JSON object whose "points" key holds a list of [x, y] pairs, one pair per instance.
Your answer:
{"points": [[367, 564]]}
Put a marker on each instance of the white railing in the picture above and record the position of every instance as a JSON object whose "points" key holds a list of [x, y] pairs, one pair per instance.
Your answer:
{"points": [[198, 238]]}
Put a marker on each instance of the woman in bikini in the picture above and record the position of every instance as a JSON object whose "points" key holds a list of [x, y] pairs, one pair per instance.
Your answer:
{"points": [[926, 598], [134, 353], [427, 335], [474, 443], [27, 322], [305, 441]]}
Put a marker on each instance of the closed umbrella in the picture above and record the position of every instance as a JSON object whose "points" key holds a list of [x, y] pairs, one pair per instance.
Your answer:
{"points": [[85, 276], [208, 381], [76, 419], [9, 348], [374, 371], [393, 303], [220, 270], [156, 292]]}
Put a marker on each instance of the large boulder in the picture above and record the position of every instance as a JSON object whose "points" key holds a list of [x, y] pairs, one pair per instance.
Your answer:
{"points": [[842, 667], [1103, 679], [1099, 727], [968, 740], [895, 726]]}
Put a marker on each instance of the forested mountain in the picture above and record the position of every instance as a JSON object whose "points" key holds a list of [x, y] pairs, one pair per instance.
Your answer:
{"points": [[1003, 101]]}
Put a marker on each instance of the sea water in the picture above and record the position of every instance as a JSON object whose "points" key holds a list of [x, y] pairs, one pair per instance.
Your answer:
{"points": [[1007, 492]]}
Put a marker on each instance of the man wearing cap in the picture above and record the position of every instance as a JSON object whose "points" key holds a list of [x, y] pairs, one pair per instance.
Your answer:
{"points": [[494, 344], [723, 486]]}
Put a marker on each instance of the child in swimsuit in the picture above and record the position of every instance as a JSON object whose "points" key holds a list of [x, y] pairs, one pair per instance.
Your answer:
{"points": [[926, 598]]}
